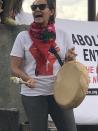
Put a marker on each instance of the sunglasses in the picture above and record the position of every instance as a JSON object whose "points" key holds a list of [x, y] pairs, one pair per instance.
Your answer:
{"points": [[40, 6]]}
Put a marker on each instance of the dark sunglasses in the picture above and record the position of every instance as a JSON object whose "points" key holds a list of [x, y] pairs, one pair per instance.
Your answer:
{"points": [[40, 6]]}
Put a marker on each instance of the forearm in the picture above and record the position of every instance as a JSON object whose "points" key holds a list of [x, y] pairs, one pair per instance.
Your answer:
{"points": [[19, 73], [16, 68]]}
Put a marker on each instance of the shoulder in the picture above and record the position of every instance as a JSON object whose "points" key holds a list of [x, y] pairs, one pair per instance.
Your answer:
{"points": [[60, 32], [23, 34], [60, 35]]}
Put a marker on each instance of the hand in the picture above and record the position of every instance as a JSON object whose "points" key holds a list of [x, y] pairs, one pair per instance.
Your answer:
{"points": [[70, 55], [30, 83]]}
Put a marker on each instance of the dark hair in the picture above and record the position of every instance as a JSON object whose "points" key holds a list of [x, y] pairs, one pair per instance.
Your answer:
{"points": [[52, 6]]}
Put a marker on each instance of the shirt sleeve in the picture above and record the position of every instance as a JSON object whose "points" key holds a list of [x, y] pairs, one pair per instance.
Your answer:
{"points": [[18, 47]]}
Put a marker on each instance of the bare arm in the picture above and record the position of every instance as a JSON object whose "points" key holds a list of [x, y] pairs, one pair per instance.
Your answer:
{"points": [[16, 68]]}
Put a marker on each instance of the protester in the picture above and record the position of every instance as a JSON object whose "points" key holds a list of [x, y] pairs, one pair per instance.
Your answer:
{"points": [[1, 8], [1, 2], [10, 9], [33, 61]]}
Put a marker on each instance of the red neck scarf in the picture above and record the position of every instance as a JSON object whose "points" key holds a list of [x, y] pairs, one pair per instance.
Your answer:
{"points": [[43, 38]]}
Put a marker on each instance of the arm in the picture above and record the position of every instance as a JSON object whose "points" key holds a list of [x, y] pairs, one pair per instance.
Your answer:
{"points": [[16, 68]]}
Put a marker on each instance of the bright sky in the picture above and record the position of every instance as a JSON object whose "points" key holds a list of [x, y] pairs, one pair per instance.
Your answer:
{"points": [[66, 9]]}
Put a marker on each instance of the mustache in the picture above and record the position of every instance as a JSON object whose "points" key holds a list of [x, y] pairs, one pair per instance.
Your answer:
{"points": [[37, 14]]}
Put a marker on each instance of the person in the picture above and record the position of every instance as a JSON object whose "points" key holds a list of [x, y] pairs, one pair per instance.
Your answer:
{"points": [[10, 10], [1, 2], [34, 63]]}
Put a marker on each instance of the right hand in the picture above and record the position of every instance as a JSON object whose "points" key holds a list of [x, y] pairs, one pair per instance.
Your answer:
{"points": [[70, 55], [30, 83]]}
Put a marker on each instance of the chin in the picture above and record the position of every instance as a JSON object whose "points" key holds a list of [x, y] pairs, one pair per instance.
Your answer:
{"points": [[39, 22]]}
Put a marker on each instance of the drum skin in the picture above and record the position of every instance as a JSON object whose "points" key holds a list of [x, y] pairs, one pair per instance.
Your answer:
{"points": [[71, 85]]}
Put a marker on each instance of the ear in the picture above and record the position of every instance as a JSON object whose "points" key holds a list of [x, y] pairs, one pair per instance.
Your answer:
{"points": [[52, 12]]}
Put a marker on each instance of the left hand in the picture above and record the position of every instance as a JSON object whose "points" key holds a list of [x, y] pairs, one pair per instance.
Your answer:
{"points": [[70, 55], [30, 83]]}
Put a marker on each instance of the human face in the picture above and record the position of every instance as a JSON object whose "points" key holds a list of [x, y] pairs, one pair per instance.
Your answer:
{"points": [[41, 12]]}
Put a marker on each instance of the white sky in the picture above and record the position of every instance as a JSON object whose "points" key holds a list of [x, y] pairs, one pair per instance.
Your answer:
{"points": [[66, 9]]}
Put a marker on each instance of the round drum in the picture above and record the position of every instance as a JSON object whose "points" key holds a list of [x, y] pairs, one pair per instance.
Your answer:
{"points": [[71, 85]]}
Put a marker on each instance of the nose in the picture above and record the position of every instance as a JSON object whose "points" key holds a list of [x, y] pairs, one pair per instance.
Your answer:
{"points": [[37, 8]]}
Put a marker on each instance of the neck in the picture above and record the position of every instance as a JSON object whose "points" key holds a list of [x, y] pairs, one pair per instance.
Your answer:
{"points": [[42, 24], [42, 33]]}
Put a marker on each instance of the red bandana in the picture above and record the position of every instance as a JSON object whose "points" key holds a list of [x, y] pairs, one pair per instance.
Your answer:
{"points": [[42, 40]]}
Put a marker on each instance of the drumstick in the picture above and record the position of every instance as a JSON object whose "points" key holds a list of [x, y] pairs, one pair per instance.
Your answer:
{"points": [[17, 80]]}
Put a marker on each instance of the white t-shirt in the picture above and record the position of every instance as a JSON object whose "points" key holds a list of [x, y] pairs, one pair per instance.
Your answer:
{"points": [[44, 84]]}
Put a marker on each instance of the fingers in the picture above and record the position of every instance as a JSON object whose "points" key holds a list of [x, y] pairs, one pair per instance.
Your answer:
{"points": [[71, 51], [30, 83], [70, 55]]}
